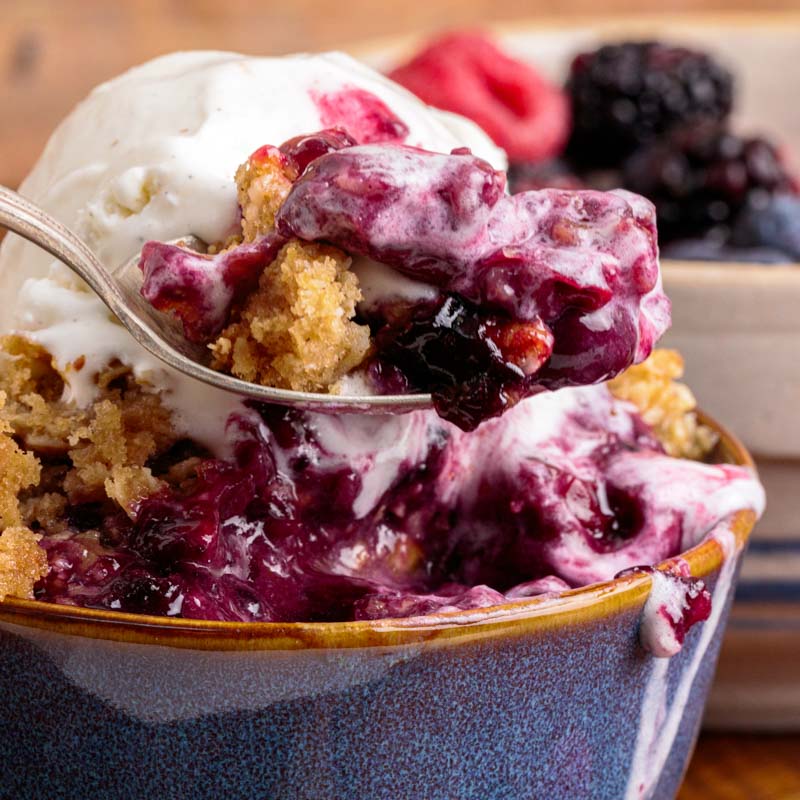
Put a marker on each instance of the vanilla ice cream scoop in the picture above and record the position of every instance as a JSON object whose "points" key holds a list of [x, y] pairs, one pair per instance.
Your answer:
{"points": [[152, 153]]}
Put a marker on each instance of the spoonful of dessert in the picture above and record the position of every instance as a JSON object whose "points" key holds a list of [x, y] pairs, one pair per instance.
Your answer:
{"points": [[384, 278]]}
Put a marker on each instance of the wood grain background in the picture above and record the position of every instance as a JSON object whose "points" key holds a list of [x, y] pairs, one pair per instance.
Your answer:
{"points": [[52, 53]]}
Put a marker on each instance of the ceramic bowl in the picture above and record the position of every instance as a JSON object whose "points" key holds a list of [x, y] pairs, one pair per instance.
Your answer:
{"points": [[737, 326], [546, 698]]}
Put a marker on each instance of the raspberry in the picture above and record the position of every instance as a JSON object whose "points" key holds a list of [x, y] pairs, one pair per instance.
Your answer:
{"points": [[628, 94], [468, 74], [702, 178]]}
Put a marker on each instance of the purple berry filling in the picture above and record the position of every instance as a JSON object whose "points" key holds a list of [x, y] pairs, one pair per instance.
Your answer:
{"points": [[478, 364], [200, 289], [337, 518], [582, 264], [545, 289], [362, 114]]}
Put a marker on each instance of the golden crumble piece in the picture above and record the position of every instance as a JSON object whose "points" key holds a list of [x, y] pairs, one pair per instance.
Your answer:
{"points": [[18, 471], [109, 456], [262, 185], [34, 387], [22, 562], [26, 367], [107, 444], [44, 512], [296, 331], [665, 404]]}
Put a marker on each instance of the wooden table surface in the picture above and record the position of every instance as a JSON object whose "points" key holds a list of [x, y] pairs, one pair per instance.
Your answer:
{"points": [[52, 53]]}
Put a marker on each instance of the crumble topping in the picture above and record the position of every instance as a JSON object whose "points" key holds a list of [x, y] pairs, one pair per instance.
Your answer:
{"points": [[296, 330], [18, 471], [99, 455], [109, 454], [22, 562], [106, 447], [666, 404], [262, 186]]}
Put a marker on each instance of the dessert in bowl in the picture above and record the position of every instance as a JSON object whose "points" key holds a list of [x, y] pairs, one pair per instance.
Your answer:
{"points": [[267, 572]]}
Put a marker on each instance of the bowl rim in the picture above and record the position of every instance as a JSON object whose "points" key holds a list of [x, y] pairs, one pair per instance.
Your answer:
{"points": [[527, 616], [641, 23]]}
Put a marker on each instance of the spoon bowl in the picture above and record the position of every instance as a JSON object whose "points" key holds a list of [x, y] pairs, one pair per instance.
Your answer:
{"points": [[160, 333]]}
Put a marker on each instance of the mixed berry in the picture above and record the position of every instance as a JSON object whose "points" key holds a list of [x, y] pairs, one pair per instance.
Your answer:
{"points": [[468, 74], [316, 517], [539, 290], [648, 116], [628, 95], [700, 180]]}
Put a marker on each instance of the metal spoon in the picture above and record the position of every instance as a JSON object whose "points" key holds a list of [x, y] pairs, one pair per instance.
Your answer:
{"points": [[160, 333]]}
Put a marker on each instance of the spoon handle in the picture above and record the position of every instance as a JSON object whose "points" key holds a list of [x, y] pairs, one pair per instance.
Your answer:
{"points": [[34, 224]]}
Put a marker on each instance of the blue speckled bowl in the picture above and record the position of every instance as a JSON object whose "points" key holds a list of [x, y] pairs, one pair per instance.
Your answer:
{"points": [[535, 699]]}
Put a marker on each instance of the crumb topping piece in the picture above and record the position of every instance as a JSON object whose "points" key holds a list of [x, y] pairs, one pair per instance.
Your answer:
{"points": [[109, 454], [87, 455], [665, 404], [296, 330], [22, 562], [18, 471], [262, 185]]}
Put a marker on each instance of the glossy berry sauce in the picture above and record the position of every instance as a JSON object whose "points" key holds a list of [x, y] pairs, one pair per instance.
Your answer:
{"points": [[676, 603], [335, 518], [363, 115], [506, 491], [541, 290]]}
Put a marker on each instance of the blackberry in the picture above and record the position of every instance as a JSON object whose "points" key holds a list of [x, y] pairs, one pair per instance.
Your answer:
{"points": [[629, 94], [700, 179]]}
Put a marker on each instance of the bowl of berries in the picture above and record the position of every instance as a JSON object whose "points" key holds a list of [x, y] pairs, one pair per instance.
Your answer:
{"points": [[687, 112]]}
